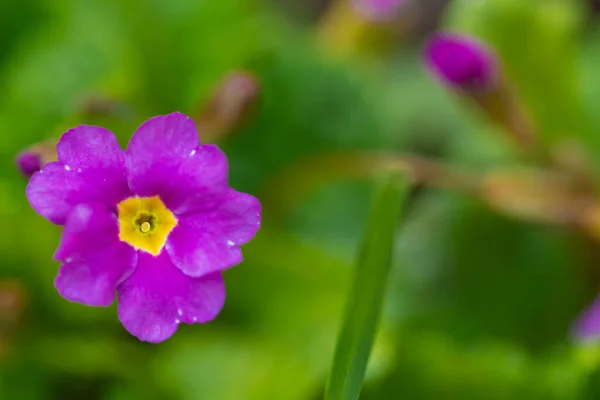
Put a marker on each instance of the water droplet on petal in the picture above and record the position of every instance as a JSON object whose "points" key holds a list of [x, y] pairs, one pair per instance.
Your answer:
{"points": [[230, 243], [192, 152], [67, 168]]}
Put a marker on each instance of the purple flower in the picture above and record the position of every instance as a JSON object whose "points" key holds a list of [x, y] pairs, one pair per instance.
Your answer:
{"points": [[461, 62], [378, 10], [156, 223], [587, 326], [28, 162]]}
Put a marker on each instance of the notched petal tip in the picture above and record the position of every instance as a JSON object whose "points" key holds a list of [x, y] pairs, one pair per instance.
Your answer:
{"points": [[157, 150], [89, 145], [158, 297], [155, 333], [209, 240], [91, 168]]}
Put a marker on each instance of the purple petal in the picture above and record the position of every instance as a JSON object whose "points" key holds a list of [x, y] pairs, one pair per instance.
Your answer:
{"points": [[158, 296], [164, 158], [587, 326], [208, 241], [91, 168], [28, 162], [94, 260], [462, 62]]}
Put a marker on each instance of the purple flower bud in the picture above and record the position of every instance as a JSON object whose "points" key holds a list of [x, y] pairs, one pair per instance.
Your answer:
{"points": [[28, 162], [377, 10], [461, 62]]}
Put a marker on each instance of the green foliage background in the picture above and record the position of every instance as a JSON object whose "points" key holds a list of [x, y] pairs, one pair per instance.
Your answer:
{"points": [[478, 306]]}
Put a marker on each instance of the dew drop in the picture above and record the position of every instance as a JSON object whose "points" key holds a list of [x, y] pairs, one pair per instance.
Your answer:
{"points": [[177, 320], [230, 243], [67, 168], [179, 312], [192, 152], [194, 319]]}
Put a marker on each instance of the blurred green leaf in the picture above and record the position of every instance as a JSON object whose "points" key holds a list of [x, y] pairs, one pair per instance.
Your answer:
{"points": [[433, 366], [366, 295], [307, 106], [480, 275]]}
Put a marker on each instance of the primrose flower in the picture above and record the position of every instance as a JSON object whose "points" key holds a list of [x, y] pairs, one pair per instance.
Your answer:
{"points": [[461, 62], [156, 223]]}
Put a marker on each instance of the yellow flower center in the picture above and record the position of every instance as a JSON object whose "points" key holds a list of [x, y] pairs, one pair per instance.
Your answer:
{"points": [[145, 223]]}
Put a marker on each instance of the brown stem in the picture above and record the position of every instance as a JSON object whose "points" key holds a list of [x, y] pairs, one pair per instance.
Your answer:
{"points": [[297, 181], [502, 105]]}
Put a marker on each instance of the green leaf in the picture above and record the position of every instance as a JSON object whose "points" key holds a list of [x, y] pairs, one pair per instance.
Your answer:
{"points": [[366, 295]]}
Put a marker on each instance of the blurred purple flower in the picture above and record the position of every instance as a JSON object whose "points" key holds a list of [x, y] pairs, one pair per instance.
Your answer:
{"points": [[377, 10], [28, 162], [461, 62], [156, 223], [587, 326]]}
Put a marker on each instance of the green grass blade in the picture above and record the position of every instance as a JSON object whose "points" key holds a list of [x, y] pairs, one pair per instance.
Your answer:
{"points": [[366, 294]]}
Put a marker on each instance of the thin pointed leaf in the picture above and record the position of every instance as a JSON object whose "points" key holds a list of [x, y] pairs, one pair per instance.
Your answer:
{"points": [[366, 295]]}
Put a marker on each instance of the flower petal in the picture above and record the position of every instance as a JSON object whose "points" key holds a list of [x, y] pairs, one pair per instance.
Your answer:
{"points": [[587, 326], [208, 241], [91, 168], [94, 260], [158, 296], [164, 158]]}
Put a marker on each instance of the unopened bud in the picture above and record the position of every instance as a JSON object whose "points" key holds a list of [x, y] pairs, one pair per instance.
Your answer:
{"points": [[28, 163], [12, 300], [472, 69], [461, 62], [377, 10], [229, 105], [35, 157], [101, 106]]}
